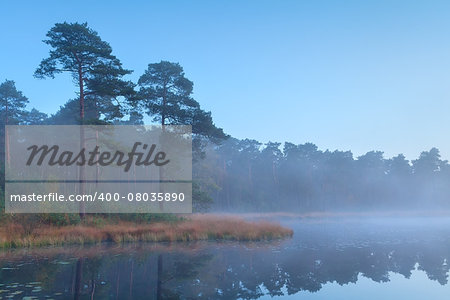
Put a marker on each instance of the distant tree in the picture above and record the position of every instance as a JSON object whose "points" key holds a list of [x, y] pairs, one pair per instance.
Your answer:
{"points": [[372, 161], [338, 179], [399, 166], [371, 170], [12, 111], [12, 102], [266, 177], [249, 152], [302, 178], [427, 175], [35, 117], [201, 201], [271, 156], [428, 162], [68, 114]]}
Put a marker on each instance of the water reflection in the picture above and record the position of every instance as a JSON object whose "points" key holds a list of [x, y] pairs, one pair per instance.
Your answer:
{"points": [[317, 255]]}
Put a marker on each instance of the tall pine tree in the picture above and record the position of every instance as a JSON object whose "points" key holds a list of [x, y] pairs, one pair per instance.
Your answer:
{"points": [[79, 50]]}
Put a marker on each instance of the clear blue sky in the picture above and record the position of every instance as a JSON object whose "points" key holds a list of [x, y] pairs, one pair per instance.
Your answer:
{"points": [[348, 75]]}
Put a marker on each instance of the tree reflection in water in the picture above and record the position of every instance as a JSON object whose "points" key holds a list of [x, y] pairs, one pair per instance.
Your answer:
{"points": [[218, 270]]}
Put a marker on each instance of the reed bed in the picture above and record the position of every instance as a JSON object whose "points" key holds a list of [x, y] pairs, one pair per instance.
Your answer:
{"points": [[203, 227]]}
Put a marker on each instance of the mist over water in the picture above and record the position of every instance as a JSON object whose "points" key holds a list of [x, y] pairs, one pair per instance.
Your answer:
{"points": [[248, 176], [327, 257]]}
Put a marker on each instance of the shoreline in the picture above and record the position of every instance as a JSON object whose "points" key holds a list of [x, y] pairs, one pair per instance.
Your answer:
{"points": [[194, 228], [335, 214]]}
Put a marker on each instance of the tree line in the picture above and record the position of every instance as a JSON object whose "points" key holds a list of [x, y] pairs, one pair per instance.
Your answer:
{"points": [[251, 176], [229, 174]]}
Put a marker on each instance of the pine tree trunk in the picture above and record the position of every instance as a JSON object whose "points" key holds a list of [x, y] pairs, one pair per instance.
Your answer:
{"points": [[82, 210], [7, 135], [163, 125]]}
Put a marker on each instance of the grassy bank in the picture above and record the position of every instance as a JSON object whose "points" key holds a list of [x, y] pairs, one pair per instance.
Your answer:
{"points": [[197, 227]]}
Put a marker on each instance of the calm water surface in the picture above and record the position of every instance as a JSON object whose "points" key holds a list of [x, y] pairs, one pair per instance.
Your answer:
{"points": [[326, 259]]}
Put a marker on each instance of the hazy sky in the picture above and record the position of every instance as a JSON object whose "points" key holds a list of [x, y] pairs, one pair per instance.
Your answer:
{"points": [[348, 75]]}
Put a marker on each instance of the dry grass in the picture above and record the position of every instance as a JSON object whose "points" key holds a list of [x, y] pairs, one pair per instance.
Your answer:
{"points": [[201, 227]]}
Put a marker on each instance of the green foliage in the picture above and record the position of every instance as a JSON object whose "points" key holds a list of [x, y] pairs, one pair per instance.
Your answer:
{"points": [[428, 162], [12, 104], [201, 201], [165, 94], [96, 220], [75, 46], [59, 219], [34, 117], [147, 218], [253, 177], [79, 50]]}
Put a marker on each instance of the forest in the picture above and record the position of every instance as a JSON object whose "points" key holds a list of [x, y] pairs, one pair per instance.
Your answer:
{"points": [[229, 174]]}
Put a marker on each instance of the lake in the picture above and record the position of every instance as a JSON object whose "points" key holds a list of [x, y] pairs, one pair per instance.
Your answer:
{"points": [[327, 258]]}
